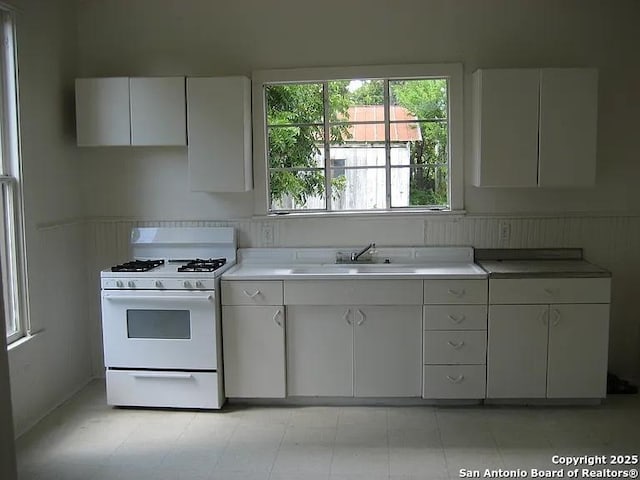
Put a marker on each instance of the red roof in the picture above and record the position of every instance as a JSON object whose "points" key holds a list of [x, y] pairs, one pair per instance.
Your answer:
{"points": [[374, 133]]}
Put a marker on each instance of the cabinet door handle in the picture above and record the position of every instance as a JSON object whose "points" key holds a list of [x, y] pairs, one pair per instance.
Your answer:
{"points": [[456, 346], [457, 379], [455, 319], [556, 319], [276, 316], [346, 316], [544, 316], [457, 293], [251, 295], [363, 317]]}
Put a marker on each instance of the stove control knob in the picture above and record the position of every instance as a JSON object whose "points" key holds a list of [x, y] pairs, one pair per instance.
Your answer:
{"points": [[119, 284], [199, 284], [158, 284], [187, 284], [131, 284]]}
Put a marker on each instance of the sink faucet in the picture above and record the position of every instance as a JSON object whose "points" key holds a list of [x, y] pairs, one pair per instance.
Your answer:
{"points": [[356, 255]]}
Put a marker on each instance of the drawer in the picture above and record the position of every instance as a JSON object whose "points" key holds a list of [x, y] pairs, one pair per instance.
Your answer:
{"points": [[549, 290], [455, 291], [455, 317], [164, 389], [353, 292], [252, 293], [454, 347], [454, 381]]}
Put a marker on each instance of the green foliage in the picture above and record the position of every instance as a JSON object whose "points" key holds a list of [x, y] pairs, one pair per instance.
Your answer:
{"points": [[370, 93]]}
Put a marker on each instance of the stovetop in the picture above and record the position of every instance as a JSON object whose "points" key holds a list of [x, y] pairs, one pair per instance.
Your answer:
{"points": [[183, 268]]}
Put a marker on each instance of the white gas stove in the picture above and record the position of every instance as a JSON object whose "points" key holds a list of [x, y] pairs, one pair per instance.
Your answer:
{"points": [[161, 318]]}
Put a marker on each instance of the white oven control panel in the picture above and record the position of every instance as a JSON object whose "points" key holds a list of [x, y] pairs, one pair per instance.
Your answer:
{"points": [[158, 284]]}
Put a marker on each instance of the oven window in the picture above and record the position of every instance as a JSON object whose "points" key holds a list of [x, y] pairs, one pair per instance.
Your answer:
{"points": [[170, 324]]}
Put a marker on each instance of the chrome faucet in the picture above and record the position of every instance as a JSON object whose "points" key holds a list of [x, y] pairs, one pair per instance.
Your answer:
{"points": [[356, 255]]}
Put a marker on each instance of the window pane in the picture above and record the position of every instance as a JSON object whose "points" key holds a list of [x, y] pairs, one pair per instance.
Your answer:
{"points": [[358, 189], [297, 190], [356, 100], [425, 99], [294, 103], [420, 143], [361, 150], [419, 186], [6, 268], [295, 147]]}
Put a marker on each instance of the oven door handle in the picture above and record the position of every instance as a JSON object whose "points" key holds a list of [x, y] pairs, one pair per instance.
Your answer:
{"points": [[172, 298], [162, 375]]}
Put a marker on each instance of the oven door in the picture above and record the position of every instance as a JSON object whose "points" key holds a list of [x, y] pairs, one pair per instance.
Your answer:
{"points": [[159, 330]]}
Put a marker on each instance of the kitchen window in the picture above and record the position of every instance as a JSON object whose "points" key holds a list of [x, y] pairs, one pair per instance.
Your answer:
{"points": [[11, 237], [372, 139]]}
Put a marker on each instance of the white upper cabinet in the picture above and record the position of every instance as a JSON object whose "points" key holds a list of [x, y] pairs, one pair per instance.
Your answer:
{"points": [[158, 111], [219, 129], [102, 112], [130, 111], [506, 127], [568, 127], [535, 127]]}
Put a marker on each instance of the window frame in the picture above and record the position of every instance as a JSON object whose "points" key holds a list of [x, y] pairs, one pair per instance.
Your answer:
{"points": [[453, 72], [12, 260]]}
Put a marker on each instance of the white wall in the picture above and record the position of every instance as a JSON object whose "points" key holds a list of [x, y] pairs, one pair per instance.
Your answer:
{"points": [[51, 365], [202, 37]]}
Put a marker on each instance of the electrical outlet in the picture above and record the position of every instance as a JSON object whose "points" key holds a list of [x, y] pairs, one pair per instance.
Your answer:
{"points": [[504, 227], [267, 235]]}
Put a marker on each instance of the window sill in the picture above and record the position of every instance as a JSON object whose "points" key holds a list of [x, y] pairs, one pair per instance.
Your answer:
{"points": [[15, 345], [364, 214]]}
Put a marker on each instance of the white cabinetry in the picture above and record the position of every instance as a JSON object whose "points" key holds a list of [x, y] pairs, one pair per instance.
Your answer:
{"points": [[219, 129], [130, 111], [548, 338], [102, 112], [339, 346], [455, 339], [535, 127], [158, 111], [253, 332]]}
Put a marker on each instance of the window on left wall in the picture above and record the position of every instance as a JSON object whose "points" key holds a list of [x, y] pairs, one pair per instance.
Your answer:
{"points": [[11, 226]]}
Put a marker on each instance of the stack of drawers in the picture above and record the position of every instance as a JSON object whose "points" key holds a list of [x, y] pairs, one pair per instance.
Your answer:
{"points": [[455, 339]]}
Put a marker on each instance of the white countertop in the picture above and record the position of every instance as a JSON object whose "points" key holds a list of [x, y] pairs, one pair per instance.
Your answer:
{"points": [[444, 270]]}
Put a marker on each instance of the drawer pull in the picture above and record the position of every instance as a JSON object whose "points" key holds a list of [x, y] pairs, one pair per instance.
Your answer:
{"points": [[455, 319], [456, 346], [363, 317], [457, 293], [550, 291], [276, 316], [556, 319], [457, 379], [346, 316], [251, 295]]}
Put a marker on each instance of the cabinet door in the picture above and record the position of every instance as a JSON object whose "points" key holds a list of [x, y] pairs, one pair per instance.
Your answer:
{"points": [[568, 126], [387, 351], [102, 112], [219, 129], [320, 351], [578, 348], [517, 351], [254, 360], [158, 111], [506, 127]]}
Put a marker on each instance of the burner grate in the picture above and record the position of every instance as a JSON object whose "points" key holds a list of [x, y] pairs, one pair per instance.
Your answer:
{"points": [[200, 265], [137, 266]]}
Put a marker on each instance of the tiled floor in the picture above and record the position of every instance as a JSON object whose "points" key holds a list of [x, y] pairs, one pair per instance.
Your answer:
{"points": [[87, 440]]}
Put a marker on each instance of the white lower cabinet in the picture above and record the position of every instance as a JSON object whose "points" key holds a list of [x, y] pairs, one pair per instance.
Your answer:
{"points": [[254, 357], [362, 351], [547, 351], [454, 381]]}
